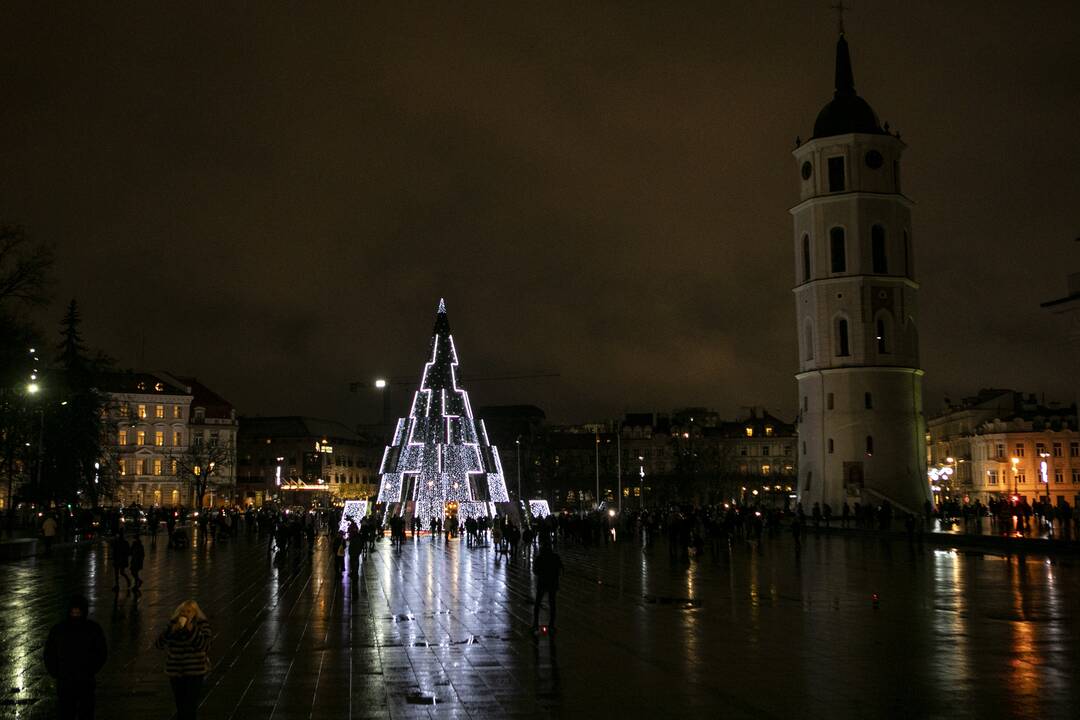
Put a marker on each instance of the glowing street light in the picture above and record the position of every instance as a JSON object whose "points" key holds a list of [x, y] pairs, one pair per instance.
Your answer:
{"points": [[380, 383], [32, 388]]}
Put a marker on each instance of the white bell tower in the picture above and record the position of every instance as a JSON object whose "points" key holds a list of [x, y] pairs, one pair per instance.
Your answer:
{"points": [[861, 426]]}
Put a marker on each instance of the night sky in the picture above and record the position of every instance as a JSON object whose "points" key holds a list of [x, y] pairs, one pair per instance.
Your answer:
{"points": [[274, 200]]}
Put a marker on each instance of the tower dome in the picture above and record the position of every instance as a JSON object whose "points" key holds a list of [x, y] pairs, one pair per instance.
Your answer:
{"points": [[846, 112]]}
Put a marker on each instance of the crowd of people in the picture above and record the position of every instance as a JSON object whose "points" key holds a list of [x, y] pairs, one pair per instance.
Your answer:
{"points": [[76, 650]]}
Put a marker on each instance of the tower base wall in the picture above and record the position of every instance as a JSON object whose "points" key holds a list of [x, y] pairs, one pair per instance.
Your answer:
{"points": [[862, 438]]}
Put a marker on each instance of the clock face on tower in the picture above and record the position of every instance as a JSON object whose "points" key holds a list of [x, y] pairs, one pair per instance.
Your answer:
{"points": [[874, 159], [807, 168]]}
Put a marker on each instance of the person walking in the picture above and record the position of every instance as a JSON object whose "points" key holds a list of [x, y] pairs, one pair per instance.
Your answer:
{"points": [[48, 531], [74, 653], [547, 567], [121, 554], [187, 642], [138, 557]]}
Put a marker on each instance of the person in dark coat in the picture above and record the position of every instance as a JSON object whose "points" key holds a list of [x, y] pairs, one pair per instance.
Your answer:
{"points": [[121, 554], [138, 557], [547, 567], [74, 653]]}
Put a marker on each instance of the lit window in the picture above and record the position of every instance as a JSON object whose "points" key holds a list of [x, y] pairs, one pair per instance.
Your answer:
{"points": [[123, 411], [122, 438], [159, 437], [142, 411], [158, 463], [123, 467], [140, 437], [140, 467], [177, 412], [177, 438], [749, 432], [768, 431], [172, 467], [159, 412], [766, 469]]}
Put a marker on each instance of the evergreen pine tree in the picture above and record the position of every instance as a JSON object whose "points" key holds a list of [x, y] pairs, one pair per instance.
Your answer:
{"points": [[74, 432]]}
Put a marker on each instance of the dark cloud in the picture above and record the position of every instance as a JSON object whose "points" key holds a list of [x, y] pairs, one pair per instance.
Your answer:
{"points": [[275, 198]]}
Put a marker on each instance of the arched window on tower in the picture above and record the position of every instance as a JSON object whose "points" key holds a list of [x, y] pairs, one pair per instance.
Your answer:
{"points": [[808, 341], [907, 255], [806, 258], [877, 249], [836, 174], [842, 346], [838, 247], [883, 331]]}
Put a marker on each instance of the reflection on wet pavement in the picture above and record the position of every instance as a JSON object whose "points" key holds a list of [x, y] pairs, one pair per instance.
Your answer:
{"points": [[855, 627]]}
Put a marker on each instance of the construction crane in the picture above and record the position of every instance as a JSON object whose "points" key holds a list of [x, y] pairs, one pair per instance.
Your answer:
{"points": [[385, 383]]}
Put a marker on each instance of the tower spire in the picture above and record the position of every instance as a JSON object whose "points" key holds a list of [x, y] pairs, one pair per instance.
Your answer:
{"points": [[839, 7], [845, 77]]}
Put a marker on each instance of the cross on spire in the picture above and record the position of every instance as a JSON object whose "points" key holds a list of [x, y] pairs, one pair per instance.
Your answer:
{"points": [[840, 7]]}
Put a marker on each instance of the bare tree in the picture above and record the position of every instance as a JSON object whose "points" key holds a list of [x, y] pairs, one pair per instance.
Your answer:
{"points": [[24, 268], [199, 463]]}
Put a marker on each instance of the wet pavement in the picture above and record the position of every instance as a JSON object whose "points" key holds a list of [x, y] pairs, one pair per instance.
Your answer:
{"points": [[438, 629]]}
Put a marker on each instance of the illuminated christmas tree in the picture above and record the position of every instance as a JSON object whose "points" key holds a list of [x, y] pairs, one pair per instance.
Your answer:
{"points": [[440, 454]]}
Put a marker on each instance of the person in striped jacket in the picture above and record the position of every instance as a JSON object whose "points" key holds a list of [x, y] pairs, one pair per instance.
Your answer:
{"points": [[187, 642]]}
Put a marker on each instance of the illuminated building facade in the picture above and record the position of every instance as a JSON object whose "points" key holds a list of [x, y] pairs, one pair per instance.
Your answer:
{"points": [[861, 427]]}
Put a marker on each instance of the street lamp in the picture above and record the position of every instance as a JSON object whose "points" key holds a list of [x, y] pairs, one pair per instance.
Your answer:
{"points": [[597, 469], [1044, 475], [618, 465], [383, 386], [518, 444], [641, 475], [1015, 461]]}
